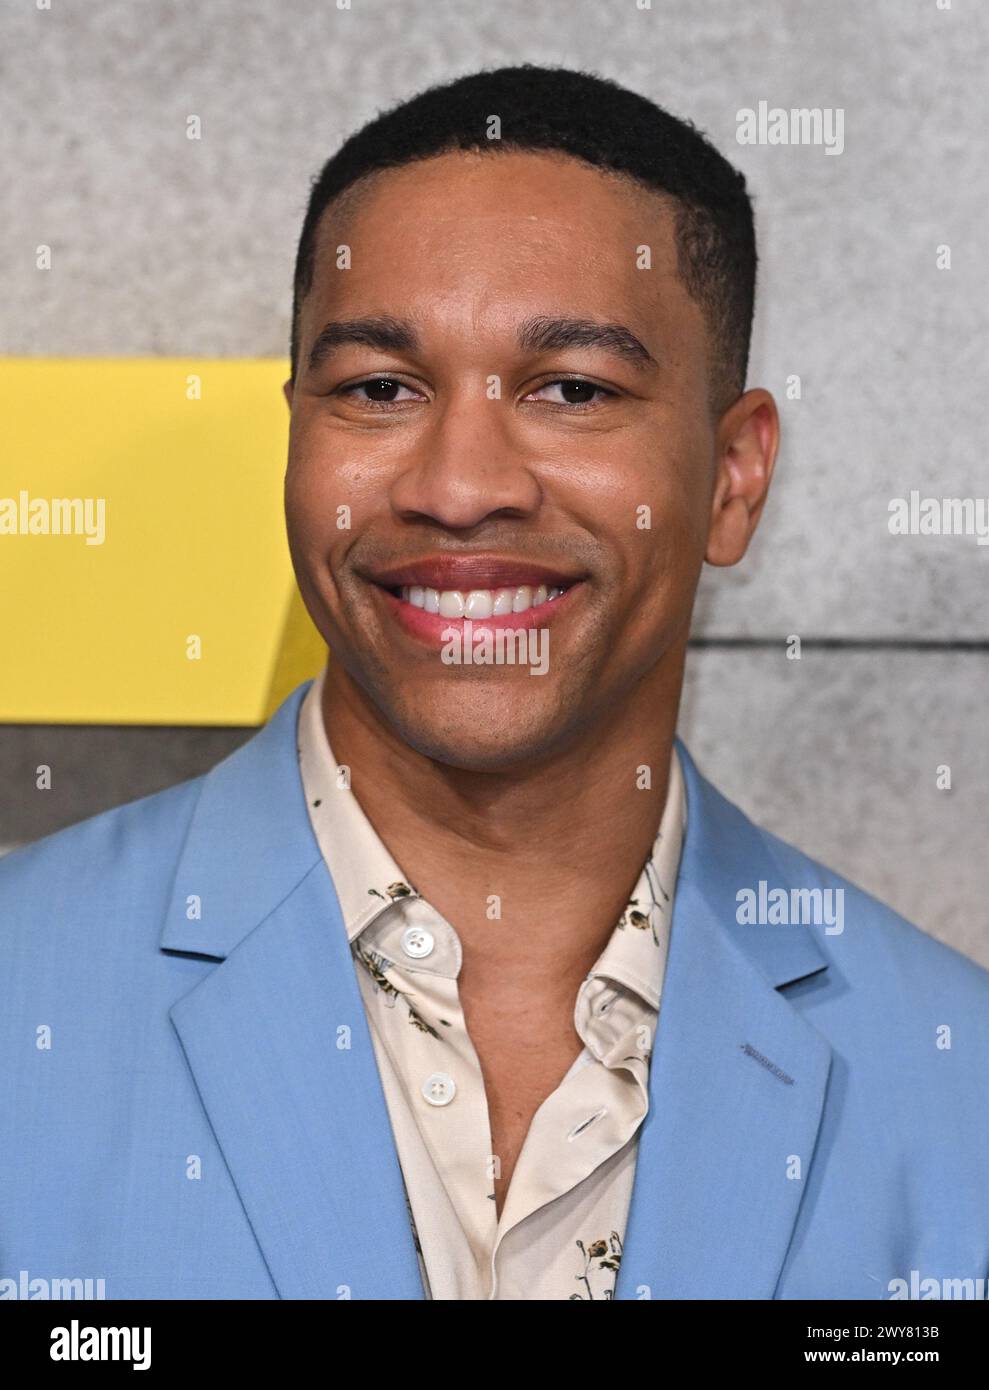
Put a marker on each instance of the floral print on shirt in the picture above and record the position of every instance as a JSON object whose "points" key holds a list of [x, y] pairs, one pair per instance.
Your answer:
{"points": [[378, 965], [599, 1257], [633, 916]]}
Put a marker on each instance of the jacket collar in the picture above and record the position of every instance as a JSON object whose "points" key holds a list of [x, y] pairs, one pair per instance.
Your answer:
{"points": [[248, 844], [278, 1043], [737, 1081]]}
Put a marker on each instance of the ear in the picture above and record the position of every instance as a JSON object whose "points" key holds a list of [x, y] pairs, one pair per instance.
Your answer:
{"points": [[287, 391], [747, 440]]}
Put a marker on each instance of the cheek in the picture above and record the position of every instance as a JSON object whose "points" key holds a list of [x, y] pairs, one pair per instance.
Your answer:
{"points": [[671, 519], [663, 556], [304, 510], [319, 498], [331, 489]]}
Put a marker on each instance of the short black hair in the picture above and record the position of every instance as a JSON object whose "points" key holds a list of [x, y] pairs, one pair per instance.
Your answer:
{"points": [[590, 118]]}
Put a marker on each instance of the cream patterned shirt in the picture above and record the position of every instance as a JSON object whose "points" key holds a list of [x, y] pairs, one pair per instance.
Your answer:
{"points": [[560, 1232]]}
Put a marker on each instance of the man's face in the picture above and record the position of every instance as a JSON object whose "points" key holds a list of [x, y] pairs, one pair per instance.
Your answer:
{"points": [[473, 471]]}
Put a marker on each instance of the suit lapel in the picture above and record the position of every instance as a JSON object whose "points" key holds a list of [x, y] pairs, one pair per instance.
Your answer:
{"points": [[737, 1080], [276, 1036]]}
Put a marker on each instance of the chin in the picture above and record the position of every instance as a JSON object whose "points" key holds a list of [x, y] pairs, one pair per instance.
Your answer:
{"points": [[478, 732]]}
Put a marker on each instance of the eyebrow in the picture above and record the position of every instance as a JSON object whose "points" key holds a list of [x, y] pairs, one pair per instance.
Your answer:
{"points": [[549, 334], [384, 333], [543, 334]]}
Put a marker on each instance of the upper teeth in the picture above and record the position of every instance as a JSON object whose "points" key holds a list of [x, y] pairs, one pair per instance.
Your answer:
{"points": [[477, 603]]}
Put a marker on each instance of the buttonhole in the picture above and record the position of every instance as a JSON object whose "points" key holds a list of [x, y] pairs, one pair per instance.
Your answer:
{"points": [[579, 1129]]}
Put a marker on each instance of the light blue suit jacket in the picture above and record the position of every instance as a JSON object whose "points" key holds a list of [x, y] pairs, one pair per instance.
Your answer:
{"points": [[181, 1118]]}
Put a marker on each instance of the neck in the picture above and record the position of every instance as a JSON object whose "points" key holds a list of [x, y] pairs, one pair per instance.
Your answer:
{"points": [[559, 845]]}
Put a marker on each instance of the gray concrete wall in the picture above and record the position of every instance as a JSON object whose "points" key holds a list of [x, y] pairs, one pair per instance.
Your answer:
{"points": [[168, 246]]}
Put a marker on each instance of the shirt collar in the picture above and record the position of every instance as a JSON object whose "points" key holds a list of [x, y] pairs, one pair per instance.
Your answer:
{"points": [[365, 875], [368, 880], [635, 955]]}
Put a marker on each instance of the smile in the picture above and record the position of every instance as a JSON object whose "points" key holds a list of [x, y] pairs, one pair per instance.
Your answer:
{"points": [[478, 603], [428, 614]]}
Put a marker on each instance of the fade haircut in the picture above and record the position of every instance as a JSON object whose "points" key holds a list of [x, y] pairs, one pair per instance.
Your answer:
{"points": [[596, 120]]}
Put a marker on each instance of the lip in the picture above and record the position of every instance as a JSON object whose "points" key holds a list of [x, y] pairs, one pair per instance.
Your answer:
{"points": [[465, 572], [433, 629]]}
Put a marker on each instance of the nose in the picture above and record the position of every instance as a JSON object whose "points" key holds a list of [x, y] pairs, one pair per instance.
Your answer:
{"points": [[465, 467]]}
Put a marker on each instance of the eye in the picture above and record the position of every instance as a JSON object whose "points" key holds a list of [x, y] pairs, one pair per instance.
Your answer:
{"points": [[576, 391], [382, 392]]}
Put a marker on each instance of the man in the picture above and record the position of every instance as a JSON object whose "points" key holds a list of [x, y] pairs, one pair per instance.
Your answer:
{"points": [[459, 980]]}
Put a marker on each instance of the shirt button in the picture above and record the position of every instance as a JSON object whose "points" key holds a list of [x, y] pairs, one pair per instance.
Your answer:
{"points": [[417, 942], [439, 1089]]}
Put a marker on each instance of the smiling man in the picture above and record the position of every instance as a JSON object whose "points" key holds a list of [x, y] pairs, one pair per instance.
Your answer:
{"points": [[449, 983]]}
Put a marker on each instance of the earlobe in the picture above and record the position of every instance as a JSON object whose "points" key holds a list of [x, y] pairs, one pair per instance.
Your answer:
{"points": [[731, 530], [287, 391]]}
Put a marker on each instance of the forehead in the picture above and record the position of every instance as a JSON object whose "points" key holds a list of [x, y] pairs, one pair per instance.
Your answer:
{"points": [[478, 229]]}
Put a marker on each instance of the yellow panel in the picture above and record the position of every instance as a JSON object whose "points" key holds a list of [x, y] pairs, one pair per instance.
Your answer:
{"points": [[98, 620]]}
